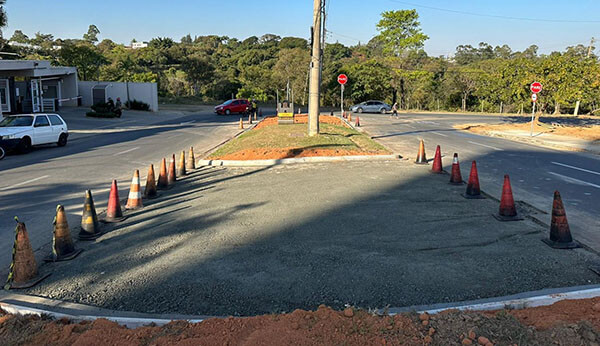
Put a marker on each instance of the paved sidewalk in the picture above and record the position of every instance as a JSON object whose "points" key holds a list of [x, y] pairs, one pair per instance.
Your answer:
{"points": [[239, 241]]}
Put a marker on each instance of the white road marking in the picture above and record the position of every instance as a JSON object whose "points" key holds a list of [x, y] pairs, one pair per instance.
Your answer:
{"points": [[487, 146], [577, 168], [574, 181], [24, 183], [439, 134], [126, 151]]}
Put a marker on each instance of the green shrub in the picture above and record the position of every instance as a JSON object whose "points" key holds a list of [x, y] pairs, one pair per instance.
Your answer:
{"points": [[137, 105]]}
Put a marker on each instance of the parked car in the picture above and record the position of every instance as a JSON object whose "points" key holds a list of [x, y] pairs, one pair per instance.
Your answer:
{"points": [[23, 131], [232, 106], [371, 107]]}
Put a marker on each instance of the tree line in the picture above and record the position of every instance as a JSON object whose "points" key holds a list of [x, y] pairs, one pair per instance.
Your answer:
{"points": [[392, 67]]}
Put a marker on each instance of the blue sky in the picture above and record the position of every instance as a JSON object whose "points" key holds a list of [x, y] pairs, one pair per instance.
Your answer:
{"points": [[349, 20]]}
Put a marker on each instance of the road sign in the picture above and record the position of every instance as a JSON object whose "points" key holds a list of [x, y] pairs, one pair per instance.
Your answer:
{"points": [[536, 87], [534, 97], [342, 79]]}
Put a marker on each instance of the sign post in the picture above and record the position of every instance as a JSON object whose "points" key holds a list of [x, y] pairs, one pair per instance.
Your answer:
{"points": [[342, 79], [536, 87]]}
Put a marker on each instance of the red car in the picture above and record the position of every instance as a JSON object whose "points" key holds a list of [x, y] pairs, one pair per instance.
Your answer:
{"points": [[233, 106]]}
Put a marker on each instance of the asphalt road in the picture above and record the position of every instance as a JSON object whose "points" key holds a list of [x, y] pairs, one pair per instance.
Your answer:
{"points": [[535, 172], [32, 185]]}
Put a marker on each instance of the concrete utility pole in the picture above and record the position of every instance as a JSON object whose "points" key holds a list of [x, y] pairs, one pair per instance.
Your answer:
{"points": [[315, 72]]}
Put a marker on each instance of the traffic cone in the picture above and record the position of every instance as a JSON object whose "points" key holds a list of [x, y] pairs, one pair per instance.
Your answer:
{"points": [[241, 123], [255, 117], [172, 177], [150, 190], [114, 213], [23, 271], [357, 124], [63, 248], [249, 118], [473, 190], [455, 176], [508, 210], [134, 201], [350, 117], [181, 165], [421, 157], [163, 180], [560, 233], [90, 228], [191, 163], [437, 161]]}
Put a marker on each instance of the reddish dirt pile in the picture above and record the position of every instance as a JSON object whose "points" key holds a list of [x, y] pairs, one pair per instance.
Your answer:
{"points": [[300, 119], [566, 311], [283, 153]]}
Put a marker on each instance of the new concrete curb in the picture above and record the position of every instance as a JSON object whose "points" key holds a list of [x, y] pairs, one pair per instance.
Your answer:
{"points": [[315, 159], [30, 305]]}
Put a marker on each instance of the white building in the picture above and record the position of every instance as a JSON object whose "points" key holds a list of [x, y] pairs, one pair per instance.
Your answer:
{"points": [[138, 45], [28, 86]]}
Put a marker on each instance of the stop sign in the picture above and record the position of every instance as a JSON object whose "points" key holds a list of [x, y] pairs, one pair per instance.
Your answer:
{"points": [[536, 87], [342, 79]]}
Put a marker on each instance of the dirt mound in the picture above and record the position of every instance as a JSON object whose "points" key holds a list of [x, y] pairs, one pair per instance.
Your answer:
{"points": [[283, 153], [300, 119]]}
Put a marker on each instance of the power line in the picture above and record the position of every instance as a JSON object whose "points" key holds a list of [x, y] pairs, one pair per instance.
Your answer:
{"points": [[496, 16]]}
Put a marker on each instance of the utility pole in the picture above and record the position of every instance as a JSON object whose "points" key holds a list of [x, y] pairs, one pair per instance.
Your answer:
{"points": [[315, 71], [589, 53]]}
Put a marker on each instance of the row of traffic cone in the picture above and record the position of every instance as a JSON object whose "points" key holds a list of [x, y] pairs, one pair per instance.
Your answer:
{"points": [[560, 233], [24, 270]]}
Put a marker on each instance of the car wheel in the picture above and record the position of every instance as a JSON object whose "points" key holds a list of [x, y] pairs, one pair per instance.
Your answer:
{"points": [[227, 112], [360, 110], [62, 140], [25, 145], [2, 153], [382, 111]]}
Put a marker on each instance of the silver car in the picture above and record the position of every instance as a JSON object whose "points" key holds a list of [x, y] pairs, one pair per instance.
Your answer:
{"points": [[371, 107]]}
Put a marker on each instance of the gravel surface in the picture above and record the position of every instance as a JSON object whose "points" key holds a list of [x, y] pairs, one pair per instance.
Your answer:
{"points": [[253, 241]]}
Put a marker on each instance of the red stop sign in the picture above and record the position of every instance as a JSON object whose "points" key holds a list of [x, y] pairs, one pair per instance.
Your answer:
{"points": [[342, 79], [536, 87]]}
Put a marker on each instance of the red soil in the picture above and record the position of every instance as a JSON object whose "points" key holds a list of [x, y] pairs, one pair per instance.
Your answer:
{"points": [[300, 119], [283, 153]]}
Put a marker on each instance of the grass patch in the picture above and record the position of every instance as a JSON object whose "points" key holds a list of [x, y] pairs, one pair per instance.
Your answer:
{"points": [[293, 141]]}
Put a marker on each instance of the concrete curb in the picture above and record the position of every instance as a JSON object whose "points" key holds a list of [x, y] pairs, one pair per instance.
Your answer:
{"points": [[30, 305], [314, 159]]}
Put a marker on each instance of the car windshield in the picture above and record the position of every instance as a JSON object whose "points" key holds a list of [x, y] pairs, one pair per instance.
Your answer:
{"points": [[16, 121], [227, 103]]}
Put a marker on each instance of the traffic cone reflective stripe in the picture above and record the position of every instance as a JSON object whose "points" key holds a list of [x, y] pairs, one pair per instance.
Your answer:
{"points": [[63, 248], [508, 209], [172, 178], [191, 163], [90, 227], [473, 190], [163, 180], [134, 200], [421, 157], [23, 272], [114, 212], [560, 232], [437, 161], [150, 190], [181, 166], [455, 176]]}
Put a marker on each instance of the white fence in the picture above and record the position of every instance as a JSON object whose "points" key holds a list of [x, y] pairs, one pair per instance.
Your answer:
{"points": [[145, 92]]}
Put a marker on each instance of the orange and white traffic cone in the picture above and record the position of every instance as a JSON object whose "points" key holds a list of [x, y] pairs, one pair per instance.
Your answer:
{"points": [[191, 163], [63, 248], [508, 209], [172, 177], [560, 232], [150, 190], [134, 201], [163, 180], [473, 190], [421, 157], [114, 213], [455, 176], [23, 271], [181, 165]]}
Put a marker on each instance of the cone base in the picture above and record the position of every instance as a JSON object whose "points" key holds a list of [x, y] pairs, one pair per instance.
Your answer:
{"points": [[181, 174], [421, 162], [28, 284], [472, 196], [113, 220], [168, 187], [134, 208], [456, 183], [557, 245], [63, 258], [508, 218], [85, 236], [151, 197]]}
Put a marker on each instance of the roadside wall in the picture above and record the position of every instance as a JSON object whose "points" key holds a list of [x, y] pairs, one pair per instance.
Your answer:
{"points": [[145, 92]]}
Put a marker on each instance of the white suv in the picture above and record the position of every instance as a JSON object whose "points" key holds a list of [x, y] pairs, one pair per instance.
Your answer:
{"points": [[26, 130]]}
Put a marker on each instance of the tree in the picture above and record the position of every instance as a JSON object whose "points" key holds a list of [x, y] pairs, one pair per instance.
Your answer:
{"points": [[83, 56], [400, 31], [92, 34], [3, 17], [19, 37], [198, 70]]}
